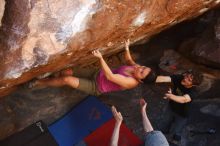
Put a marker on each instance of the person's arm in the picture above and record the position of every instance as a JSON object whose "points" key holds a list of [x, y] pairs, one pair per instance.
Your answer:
{"points": [[146, 122], [123, 81], [107, 71], [128, 57], [163, 79], [115, 135], [180, 99]]}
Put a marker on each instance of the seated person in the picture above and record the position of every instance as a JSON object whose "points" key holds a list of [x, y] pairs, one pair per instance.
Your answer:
{"points": [[152, 138], [105, 80]]}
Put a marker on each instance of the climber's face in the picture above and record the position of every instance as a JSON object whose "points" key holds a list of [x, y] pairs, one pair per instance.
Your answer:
{"points": [[140, 72]]}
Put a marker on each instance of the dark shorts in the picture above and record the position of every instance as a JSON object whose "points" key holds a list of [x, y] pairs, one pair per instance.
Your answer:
{"points": [[155, 138]]}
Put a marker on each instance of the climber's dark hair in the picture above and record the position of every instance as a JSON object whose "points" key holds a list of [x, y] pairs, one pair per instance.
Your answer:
{"points": [[150, 78], [197, 76]]}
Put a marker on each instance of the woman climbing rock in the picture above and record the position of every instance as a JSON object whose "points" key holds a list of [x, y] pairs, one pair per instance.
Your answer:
{"points": [[96, 82]]}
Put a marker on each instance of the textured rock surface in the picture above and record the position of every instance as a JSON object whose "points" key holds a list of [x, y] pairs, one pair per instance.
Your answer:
{"points": [[2, 8], [205, 49], [24, 107], [46, 35]]}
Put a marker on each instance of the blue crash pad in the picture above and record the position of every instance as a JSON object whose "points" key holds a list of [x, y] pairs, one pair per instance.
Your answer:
{"points": [[83, 119]]}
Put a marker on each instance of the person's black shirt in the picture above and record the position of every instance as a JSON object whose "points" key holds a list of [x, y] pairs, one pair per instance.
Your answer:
{"points": [[178, 89]]}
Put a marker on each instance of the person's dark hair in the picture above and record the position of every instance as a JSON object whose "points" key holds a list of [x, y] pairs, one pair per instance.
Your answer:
{"points": [[150, 78], [197, 76]]}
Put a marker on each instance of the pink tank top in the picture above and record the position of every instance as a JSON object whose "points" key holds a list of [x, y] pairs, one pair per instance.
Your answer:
{"points": [[104, 85]]}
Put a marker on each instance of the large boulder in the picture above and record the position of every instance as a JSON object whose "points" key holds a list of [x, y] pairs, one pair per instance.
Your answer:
{"points": [[205, 48], [40, 36]]}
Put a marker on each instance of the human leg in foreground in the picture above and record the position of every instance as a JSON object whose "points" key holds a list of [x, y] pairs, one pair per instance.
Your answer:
{"points": [[153, 138], [58, 82], [115, 135], [82, 79]]}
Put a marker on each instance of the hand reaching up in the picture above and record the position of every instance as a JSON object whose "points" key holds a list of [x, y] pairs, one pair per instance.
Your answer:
{"points": [[169, 91], [168, 94], [143, 104], [127, 43], [117, 115], [97, 53]]}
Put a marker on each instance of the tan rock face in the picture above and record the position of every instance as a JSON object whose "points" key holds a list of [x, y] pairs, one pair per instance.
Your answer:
{"points": [[42, 36]]}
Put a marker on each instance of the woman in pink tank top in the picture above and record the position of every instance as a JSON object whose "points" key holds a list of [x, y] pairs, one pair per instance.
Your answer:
{"points": [[106, 80], [124, 77]]}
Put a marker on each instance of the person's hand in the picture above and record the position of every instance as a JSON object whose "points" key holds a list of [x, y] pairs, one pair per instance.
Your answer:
{"points": [[97, 53], [143, 104], [169, 91], [169, 94], [117, 115], [127, 43]]}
